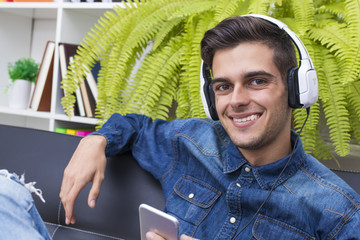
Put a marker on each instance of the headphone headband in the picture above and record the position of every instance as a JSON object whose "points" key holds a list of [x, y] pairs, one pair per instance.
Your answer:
{"points": [[303, 53], [302, 80]]}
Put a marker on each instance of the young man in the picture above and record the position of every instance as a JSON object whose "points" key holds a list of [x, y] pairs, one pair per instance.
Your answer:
{"points": [[242, 177]]}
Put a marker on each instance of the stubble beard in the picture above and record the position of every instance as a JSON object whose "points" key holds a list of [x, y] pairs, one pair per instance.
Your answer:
{"points": [[269, 134]]}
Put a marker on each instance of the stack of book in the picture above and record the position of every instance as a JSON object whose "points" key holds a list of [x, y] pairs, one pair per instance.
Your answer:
{"points": [[79, 132], [86, 94]]}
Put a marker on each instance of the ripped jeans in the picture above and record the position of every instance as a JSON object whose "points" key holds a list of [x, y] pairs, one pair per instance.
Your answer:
{"points": [[18, 215]]}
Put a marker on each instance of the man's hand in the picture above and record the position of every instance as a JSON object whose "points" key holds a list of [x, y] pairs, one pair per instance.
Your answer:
{"points": [[86, 165], [154, 236]]}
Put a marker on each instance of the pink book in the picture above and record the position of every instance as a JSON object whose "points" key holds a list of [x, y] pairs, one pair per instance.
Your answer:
{"points": [[83, 133]]}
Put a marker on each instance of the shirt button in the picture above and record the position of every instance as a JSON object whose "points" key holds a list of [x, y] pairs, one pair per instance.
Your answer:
{"points": [[238, 184], [232, 220], [247, 169], [191, 195]]}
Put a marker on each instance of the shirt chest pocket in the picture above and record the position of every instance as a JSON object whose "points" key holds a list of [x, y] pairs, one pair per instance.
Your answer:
{"points": [[266, 228], [192, 199]]}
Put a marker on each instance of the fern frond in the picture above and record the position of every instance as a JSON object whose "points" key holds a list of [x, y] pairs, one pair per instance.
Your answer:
{"points": [[342, 38], [310, 132], [336, 8], [355, 124], [227, 8], [353, 97], [323, 150], [153, 95], [189, 89], [331, 35], [123, 55], [259, 7], [352, 17], [166, 29], [352, 13], [332, 96], [196, 8], [304, 12]]}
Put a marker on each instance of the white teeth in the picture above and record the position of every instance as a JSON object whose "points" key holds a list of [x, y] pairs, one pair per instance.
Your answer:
{"points": [[249, 118]]}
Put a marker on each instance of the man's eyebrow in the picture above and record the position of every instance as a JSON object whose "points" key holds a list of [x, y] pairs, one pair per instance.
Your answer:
{"points": [[247, 75], [258, 73], [220, 79]]}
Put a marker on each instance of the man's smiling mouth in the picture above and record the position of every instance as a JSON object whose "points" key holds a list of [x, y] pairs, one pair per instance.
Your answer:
{"points": [[248, 118]]}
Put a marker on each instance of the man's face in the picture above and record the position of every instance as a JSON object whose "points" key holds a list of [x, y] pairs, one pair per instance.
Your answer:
{"points": [[251, 99]]}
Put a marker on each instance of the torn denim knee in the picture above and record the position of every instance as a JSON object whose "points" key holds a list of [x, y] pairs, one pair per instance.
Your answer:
{"points": [[29, 186], [19, 216]]}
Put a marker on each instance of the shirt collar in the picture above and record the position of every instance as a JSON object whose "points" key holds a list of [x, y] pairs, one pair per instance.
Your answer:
{"points": [[266, 175]]}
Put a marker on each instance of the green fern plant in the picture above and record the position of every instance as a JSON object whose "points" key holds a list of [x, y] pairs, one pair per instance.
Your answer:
{"points": [[150, 60]]}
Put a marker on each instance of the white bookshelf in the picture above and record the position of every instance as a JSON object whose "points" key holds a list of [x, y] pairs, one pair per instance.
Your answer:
{"points": [[24, 30]]}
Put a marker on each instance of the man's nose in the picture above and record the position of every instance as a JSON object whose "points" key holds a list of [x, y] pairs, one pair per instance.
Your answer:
{"points": [[240, 97]]}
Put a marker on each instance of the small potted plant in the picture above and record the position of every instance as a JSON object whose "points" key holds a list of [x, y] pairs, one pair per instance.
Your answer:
{"points": [[23, 75]]}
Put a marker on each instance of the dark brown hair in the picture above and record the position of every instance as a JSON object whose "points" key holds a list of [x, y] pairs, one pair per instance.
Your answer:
{"points": [[235, 30]]}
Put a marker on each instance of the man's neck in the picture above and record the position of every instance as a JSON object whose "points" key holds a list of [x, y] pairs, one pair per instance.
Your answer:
{"points": [[269, 153]]}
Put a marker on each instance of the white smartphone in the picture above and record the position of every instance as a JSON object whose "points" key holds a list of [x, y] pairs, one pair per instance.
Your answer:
{"points": [[159, 222]]}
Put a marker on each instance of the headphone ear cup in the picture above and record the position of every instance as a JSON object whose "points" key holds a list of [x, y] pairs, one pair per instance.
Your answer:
{"points": [[212, 107], [207, 92], [293, 88]]}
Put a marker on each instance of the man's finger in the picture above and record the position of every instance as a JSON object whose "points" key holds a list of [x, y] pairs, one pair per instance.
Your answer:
{"points": [[95, 190], [68, 197], [153, 236], [185, 237]]}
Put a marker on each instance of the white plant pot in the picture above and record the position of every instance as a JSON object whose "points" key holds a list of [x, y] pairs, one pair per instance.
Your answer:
{"points": [[19, 94]]}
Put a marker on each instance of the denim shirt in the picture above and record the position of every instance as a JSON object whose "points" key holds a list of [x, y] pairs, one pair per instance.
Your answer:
{"points": [[215, 193]]}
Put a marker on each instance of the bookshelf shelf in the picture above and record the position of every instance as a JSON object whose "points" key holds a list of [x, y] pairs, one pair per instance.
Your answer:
{"points": [[6, 6], [25, 28], [25, 112], [75, 119], [95, 5]]}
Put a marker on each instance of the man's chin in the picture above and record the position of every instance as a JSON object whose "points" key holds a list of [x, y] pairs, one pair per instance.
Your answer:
{"points": [[251, 145]]}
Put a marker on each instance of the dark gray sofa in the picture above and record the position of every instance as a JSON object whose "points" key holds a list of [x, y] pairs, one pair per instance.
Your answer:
{"points": [[43, 156]]}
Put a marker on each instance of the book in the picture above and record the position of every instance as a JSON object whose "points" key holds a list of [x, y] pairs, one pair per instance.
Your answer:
{"points": [[60, 130], [79, 97], [66, 50], [85, 99], [66, 54], [91, 79], [71, 131], [80, 103], [83, 133], [79, 132], [89, 93], [90, 90], [33, 1], [41, 97], [91, 98]]}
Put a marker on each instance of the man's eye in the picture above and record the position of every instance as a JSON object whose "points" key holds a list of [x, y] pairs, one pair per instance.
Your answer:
{"points": [[258, 82], [222, 87]]}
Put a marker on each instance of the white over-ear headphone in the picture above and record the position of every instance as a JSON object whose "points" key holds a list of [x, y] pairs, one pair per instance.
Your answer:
{"points": [[302, 80]]}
